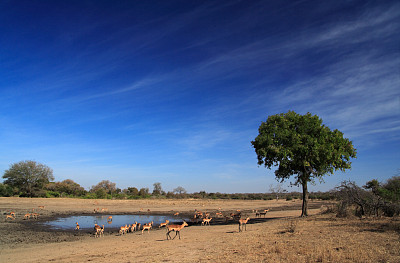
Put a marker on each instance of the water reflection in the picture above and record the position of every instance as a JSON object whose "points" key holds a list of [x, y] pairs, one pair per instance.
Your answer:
{"points": [[87, 222]]}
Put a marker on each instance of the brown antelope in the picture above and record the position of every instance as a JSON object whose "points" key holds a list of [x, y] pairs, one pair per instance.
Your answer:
{"points": [[27, 216], [35, 215], [133, 226], [263, 213], [123, 230], [77, 226], [206, 221], [104, 210], [41, 207], [147, 226], [99, 231], [164, 224], [176, 228], [10, 216], [243, 222], [176, 214], [12, 213], [109, 219]]}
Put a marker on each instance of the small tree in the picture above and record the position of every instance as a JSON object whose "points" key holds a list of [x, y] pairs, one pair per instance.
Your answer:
{"points": [[132, 191], [157, 189], [180, 190], [29, 177], [302, 146], [144, 192], [277, 190], [108, 186]]}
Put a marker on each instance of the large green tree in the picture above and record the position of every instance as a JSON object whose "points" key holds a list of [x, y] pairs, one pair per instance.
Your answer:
{"points": [[301, 146], [108, 186], [29, 177]]}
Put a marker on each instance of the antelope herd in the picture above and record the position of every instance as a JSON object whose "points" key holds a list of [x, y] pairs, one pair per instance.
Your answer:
{"points": [[12, 215], [204, 217]]}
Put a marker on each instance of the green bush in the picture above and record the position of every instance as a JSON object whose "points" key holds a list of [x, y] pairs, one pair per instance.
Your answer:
{"points": [[6, 190], [90, 196], [50, 194]]}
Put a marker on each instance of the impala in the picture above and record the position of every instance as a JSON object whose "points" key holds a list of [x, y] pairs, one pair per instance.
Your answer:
{"points": [[243, 222], [123, 229], [164, 224], [133, 226], [27, 216], [77, 226], [206, 221], [104, 210], [109, 218], [12, 213], [41, 207], [263, 213], [10, 216], [176, 228], [35, 215], [99, 231], [176, 214], [147, 226]]}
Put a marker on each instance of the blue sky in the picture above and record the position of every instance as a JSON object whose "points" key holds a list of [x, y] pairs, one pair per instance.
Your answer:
{"points": [[138, 92]]}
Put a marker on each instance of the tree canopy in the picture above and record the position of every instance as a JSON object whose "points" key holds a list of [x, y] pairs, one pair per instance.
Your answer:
{"points": [[28, 177], [157, 189], [301, 146], [108, 187]]}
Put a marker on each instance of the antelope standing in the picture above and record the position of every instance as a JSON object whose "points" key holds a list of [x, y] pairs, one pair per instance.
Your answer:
{"points": [[243, 222], [206, 221], [147, 226], [123, 229], [99, 231]]}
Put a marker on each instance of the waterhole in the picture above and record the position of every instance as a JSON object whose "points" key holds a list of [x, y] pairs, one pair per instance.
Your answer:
{"points": [[87, 222]]}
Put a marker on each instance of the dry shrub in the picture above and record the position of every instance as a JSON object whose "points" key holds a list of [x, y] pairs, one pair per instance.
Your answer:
{"points": [[289, 225], [328, 209]]}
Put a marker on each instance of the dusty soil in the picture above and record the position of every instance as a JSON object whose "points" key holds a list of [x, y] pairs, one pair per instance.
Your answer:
{"points": [[279, 237]]}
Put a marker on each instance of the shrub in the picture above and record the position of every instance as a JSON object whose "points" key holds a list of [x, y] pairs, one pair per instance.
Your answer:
{"points": [[50, 194], [6, 190]]}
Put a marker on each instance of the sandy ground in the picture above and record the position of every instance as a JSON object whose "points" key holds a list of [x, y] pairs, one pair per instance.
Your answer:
{"points": [[268, 239]]}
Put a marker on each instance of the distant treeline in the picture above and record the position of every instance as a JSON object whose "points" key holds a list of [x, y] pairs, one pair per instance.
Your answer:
{"points": [[107, 190]]}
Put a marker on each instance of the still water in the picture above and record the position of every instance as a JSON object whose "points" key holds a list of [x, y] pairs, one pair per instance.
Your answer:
{"points": [[87, 222]]}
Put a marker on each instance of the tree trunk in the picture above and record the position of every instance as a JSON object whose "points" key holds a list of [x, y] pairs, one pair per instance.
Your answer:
{"points": [[304, 211]]}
